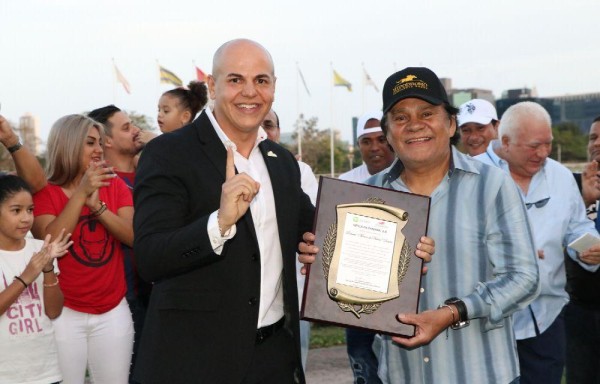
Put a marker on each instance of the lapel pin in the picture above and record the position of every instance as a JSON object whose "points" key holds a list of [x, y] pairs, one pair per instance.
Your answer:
{"points": [[271, 154]]}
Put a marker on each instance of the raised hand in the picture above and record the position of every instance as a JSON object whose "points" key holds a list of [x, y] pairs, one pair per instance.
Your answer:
{"points": [[144, 137], [97, 175], [39, 261], [60, 246], [590, 183], [7, 136], [236, 195]]}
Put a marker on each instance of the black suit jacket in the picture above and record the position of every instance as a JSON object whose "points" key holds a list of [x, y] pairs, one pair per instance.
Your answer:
{"points": [[203, 312]]}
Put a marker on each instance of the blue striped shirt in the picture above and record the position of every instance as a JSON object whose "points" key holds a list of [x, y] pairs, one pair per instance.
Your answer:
{"points": [[485, 256]]}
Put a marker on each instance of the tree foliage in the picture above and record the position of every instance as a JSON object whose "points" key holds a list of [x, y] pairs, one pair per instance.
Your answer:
{"points": [[569, 144], [316, 146], [143, 122]]}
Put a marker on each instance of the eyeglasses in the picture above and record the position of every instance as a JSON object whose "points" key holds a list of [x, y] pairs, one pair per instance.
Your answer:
{"points": [[538, 204]]}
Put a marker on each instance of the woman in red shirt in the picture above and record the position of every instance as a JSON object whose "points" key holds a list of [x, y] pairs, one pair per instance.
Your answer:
{"points": [[95, 330]]}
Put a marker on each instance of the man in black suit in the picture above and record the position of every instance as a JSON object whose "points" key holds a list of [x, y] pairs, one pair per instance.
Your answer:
{"points": [[219, 214]]}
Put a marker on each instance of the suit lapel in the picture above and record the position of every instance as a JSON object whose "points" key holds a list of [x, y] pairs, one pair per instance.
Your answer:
{"points": [[211, 144], [277, 173], [215, 151]]}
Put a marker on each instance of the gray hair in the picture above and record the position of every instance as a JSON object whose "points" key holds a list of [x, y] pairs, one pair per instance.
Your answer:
{"points": [[512, 119]]}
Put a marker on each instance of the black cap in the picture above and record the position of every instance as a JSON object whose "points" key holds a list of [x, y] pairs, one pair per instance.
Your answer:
{"points": [[417, 82]]}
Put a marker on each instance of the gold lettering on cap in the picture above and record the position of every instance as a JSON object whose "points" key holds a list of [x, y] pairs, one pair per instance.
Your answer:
{"points": [[408, 82]]}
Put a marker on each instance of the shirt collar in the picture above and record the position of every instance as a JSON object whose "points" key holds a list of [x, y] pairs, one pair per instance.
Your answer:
{"points": [[490, 152], [457, 161], [260, 137]]}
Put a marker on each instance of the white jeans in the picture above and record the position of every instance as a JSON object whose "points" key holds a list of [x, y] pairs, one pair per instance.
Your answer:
{"points": [[103, 343]]}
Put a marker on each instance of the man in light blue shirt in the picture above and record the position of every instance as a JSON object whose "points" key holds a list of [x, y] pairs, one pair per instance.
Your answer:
{"points": [[557, 216], [484, 268]]}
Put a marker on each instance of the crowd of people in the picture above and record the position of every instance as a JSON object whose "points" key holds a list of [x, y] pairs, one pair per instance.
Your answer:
{"points": [[180, 256]]}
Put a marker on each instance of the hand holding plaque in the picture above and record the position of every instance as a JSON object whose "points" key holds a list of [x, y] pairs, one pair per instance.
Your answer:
{"points": [[366, 270]]}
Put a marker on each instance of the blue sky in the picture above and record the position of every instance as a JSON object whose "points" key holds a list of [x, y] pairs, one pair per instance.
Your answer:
{"points": [[56, 55]]}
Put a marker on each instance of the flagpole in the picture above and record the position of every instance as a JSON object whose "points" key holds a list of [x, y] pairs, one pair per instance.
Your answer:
{"points": [[114, 85], [299, 127], [158, 84], [363, 86], [331, 129]]}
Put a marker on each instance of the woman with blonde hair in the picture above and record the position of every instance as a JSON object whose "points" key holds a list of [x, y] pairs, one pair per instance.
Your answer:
{"points": [[95, 330]]}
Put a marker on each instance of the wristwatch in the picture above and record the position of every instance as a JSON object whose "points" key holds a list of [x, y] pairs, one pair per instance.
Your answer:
{"points": [[463, 318], [15, 148]]}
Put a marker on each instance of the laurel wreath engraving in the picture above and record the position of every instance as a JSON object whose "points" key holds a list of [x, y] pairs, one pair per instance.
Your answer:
{"points": [[374, 200], [329, 248]]}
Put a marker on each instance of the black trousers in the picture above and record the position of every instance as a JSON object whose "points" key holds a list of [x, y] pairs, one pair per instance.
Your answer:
{"points": [[542, 358], [275, 361]]}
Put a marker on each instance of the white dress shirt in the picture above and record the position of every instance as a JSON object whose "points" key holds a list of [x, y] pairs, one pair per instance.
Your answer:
{"points": [[264, 217]]}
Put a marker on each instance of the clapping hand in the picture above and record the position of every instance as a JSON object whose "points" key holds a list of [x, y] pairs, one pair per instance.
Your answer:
{"points": [[43, 259], [590, 183]]}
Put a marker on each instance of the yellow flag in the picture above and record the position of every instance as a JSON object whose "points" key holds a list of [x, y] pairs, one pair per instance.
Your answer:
{"points": [[168, 77], [339, 81]]}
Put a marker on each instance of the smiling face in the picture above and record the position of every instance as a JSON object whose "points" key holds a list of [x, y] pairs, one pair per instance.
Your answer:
{"points": [[374, 149], [242, 86], [594, 142], [528, 147], [92, 149], [16, 219], [420, 133], [475, 137]]}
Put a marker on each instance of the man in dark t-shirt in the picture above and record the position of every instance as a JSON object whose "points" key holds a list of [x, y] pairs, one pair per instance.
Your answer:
{"points": [[582, 315]]}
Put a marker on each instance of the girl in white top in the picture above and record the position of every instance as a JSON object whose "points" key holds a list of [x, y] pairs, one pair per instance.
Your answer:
{"points": [[29, 292]]}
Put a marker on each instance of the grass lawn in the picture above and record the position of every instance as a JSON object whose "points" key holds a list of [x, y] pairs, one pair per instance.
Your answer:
{"points": [[322, 336]]}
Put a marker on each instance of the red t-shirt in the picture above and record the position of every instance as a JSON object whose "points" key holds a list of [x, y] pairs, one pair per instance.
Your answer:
{"points": [[91, 274]]}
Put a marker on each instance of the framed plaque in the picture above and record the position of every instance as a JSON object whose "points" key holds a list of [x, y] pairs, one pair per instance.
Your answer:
{"points": [[366, 271]]}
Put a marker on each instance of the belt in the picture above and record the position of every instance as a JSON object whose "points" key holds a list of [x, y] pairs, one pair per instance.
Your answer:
{"points": [[264, 333]]}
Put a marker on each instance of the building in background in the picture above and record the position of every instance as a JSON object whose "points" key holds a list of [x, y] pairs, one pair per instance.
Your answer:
{"points": [[580, 109], [28, 132], [461, 96]]}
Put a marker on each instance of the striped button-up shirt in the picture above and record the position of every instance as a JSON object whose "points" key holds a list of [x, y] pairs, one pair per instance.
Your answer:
{"points": [[485, 256]]}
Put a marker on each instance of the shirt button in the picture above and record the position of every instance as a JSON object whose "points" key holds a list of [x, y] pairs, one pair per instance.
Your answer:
{"points": [[422, 290], [252, 301], [426, 359], [254, 257]]}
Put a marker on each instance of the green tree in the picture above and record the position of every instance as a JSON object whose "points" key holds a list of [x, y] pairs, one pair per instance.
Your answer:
{"points": [[142, 121], [569, 144], [316, 146]]}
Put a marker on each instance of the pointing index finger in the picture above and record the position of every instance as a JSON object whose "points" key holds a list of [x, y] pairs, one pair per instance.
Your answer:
{"points": [[230, 166]]}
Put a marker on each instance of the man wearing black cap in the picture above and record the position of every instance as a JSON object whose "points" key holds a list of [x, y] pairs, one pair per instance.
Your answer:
{"points": [[484, 268]]}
